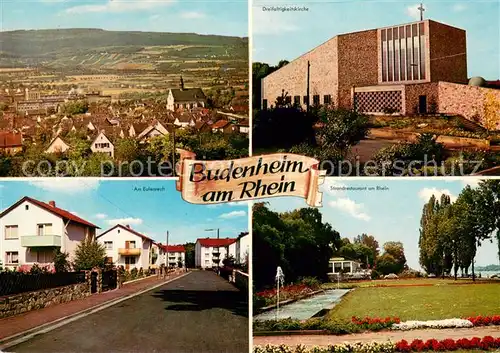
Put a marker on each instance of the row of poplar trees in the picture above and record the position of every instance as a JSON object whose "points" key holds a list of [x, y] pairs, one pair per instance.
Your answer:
{"points": [[451, 232]]}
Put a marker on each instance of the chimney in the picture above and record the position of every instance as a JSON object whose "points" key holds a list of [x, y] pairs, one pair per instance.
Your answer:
{"points": [[52, 203], [128, 226]]}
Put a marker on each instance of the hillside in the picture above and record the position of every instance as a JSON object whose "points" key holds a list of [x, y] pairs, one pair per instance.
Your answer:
{"points": [[98, 49]]}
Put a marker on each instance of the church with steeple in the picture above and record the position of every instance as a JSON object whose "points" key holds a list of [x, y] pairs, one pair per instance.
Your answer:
{"points": [[405, 69], [185, 98]]}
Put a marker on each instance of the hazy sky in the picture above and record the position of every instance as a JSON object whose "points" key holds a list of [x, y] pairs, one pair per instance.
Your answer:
{"points": [[107, 203], [287, 35], [392, 215], [228, 17]]}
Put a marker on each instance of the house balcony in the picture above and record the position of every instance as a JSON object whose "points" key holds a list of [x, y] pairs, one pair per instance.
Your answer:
{"points": [[129, 251], [35, 241]]}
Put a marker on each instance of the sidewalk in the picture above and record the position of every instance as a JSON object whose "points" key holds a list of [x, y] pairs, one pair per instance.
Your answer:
{"points": [[14, 325], [383, 336]]}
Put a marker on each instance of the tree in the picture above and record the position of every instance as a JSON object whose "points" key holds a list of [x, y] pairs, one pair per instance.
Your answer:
{"points": [[387, 264], [190, 256], [341, 128], [297, 241], [369, 241], [393, 257], [61, 263], [74, 107], [89, 254]]}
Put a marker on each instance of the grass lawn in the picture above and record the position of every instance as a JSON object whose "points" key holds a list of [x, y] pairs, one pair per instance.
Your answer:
{"points": [[420, 303], [395, 282]]}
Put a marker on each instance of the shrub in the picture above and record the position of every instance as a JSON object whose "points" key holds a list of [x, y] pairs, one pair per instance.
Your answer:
{"points": [[133, 273], [375, 274], [311, 282], [61, 263], [89, 254]]}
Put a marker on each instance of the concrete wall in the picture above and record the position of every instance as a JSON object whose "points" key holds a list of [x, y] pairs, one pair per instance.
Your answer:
{"points": [[293, 77], [448, 57], [75, 234]]}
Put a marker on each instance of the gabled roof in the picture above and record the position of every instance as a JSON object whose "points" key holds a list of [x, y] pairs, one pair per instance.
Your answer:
{"points": [[127, 229], [211, 242], [174, 248], [188, 94], [52, 209], [220, 124], [10, 139]]}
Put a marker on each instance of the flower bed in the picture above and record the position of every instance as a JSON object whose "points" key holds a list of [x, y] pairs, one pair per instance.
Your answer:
{"points": [[448, 323], [336, 327], [293, 291], [484, 320], [340, 327], [486, 343]]}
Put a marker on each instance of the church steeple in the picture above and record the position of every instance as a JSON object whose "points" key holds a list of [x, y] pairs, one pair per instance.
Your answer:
{"points": [[181, 84]]}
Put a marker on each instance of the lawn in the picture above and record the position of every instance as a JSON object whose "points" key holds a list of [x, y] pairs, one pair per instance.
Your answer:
{"points": [[420, 302], [396, 282]]}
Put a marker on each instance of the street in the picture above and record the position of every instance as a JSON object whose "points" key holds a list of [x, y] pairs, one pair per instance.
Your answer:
{"points": [[200, 312]]}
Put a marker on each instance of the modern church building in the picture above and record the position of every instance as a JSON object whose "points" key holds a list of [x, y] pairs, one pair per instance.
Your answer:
{"points": [[414, 68]]}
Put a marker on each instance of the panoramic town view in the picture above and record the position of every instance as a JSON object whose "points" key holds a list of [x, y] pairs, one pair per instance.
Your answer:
{"points": [[399, 89], [81, 95], [372, 271], [100, 266]]}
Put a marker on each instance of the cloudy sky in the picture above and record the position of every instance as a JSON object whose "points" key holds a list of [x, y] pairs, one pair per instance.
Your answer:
{"points": [[287, 35], [228, 17], [392, 215], [107, 203]]}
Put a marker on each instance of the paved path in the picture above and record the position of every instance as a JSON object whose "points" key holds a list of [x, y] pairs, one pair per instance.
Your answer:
{"points": [[200, 312], [17, 324], [325, 340]]}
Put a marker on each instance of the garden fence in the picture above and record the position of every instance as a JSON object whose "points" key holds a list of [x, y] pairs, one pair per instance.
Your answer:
{"points": [[17, 282]]}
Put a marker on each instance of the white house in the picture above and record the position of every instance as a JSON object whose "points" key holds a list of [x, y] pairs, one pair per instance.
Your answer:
{"points": [[127, 247], [338, 265], [210, 252], [242, 248], [176, 255], [152, 131], [32, 230], [102, 144], [57, 146]]}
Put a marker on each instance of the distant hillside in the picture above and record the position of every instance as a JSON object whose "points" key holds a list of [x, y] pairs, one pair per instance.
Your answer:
{"points": [[488, 268], [112, 49]]}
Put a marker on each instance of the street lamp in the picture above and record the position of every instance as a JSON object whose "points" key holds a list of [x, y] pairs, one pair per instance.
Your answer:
{"points": [[218, 251]]}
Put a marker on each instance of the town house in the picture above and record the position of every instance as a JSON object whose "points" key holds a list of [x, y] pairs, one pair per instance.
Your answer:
{"points": [[210, 252], [127, 247], [32, 230], [103, 144]]}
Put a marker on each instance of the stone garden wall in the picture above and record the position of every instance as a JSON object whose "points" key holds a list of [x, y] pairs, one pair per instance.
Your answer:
{"points": [[16, 304], [21, 303]]}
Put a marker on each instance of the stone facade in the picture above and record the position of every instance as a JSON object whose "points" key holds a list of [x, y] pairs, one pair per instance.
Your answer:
{"points": [[447, 49], [21, 303], [470, 102], [353, 60]]}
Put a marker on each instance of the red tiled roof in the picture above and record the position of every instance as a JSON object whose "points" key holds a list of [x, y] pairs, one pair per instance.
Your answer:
{"points": [[10, 139], [126, 228], [52, 209], [211, 242], [174, 248], [220, 124]]}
